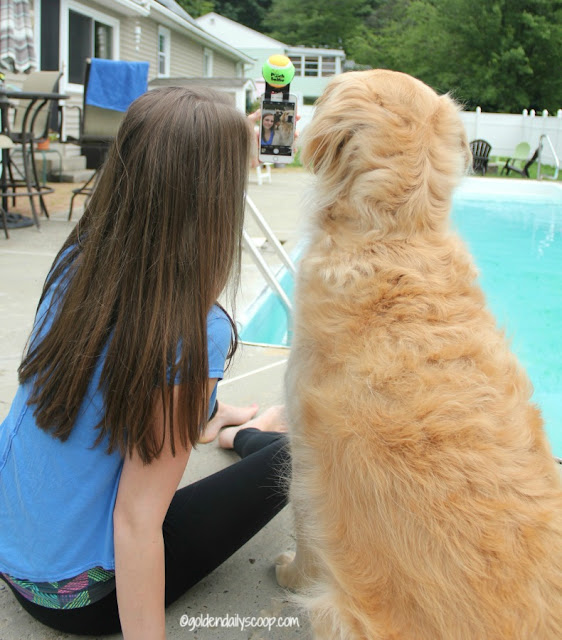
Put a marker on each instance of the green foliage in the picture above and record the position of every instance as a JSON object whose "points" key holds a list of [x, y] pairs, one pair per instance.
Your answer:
{"points": [[498, 54], [253, 106], [296, 159], [248, 12], [197, 8], [326, 23], [502, 55]]}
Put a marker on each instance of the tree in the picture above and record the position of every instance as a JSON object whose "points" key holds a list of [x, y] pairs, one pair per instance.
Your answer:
{"points": [[250, 13], [314, 23], [494, 53], [502, 55], [197, 8]]}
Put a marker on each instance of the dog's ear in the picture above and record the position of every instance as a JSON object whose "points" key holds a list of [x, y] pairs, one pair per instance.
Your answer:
{"points": [[467, 153], [451, 131], [323, 145]]}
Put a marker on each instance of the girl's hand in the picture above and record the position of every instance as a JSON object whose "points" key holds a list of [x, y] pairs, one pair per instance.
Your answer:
{"points": [[254, 118]]}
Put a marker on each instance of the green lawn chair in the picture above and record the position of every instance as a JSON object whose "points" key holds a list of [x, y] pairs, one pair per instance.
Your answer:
{"points": [[518, 161]]}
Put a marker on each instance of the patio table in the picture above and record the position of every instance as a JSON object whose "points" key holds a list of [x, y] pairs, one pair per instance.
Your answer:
{"points": [[8, 188]]}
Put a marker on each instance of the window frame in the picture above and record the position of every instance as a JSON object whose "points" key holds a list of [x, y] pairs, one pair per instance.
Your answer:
{"points": [[329, 61], [298, 66], [96, 16], [300, 60], [167, 34], [208, 61], [315, 61]]}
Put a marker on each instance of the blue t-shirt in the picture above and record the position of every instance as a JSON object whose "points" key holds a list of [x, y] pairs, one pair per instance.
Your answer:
{"points": [[57, 498], [270, 139]]}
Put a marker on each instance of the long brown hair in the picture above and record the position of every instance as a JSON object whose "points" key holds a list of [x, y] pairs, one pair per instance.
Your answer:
{"points": [[153, 251]]}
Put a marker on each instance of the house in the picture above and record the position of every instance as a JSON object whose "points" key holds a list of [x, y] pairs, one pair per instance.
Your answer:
{"points": [[313, 67], [67, 32]]}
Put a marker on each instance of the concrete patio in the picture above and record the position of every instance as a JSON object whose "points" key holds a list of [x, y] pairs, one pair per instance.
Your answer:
{"points": [[245, 584]]}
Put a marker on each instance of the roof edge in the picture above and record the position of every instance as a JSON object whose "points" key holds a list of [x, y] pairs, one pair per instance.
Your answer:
{"points": [[200, 34]]}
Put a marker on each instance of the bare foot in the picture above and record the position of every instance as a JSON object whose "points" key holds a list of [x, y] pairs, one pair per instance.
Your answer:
{"points": [[226, 416], [272, 419]]}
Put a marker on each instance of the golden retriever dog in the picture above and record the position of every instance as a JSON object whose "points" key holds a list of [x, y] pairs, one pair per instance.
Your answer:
{"points": [[283, 135], [427, 503]]}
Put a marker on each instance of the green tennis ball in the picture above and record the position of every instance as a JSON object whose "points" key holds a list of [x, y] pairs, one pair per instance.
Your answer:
{"points": [[278, 71]]}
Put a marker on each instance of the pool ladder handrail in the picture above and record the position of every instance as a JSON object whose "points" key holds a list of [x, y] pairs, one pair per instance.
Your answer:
{"points": [[262, 264], [556, 161]]}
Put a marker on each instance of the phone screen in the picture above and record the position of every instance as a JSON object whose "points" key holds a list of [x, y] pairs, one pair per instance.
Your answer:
{"points": [[277, 130]]}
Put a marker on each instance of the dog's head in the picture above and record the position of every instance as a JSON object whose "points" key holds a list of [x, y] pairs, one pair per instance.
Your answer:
{"points": [[389, 149]]}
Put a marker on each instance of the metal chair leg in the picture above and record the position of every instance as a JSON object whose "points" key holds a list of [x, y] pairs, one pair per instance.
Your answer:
{"points": [[29, 186], [5, 223], [37, 183], [85, 189]]}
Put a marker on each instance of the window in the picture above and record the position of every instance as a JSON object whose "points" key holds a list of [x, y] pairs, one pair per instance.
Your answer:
{"points": [[207, 63], [328, 66], [314, 66], [91, 34], [297, 62], [311, 66], [163, 52]]}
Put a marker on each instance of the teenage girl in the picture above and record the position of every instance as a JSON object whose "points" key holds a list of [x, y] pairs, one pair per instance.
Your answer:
{"points": [[119, 381], [267, 130]]}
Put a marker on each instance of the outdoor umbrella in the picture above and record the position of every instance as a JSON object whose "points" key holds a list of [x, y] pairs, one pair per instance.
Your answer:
{"points": [[17, 53]]}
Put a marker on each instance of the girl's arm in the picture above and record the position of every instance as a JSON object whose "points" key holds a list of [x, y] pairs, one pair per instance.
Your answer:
{"points": [[143, 498]]}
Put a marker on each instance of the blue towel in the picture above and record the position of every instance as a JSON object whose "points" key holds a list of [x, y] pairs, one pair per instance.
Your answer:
{"points": [[114, 84]]}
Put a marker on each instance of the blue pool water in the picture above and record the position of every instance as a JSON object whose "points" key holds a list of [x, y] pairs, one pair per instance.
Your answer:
{"points": [[514, 232]]}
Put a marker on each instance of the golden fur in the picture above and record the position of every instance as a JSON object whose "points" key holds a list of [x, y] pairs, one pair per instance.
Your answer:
{"points": [[284, 130], [427, 503]]}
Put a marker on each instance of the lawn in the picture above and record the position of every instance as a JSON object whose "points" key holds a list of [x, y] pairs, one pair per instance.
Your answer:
{"points": [[499, 161]]}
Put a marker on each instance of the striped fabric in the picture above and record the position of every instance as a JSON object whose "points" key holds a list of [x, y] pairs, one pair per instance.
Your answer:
{"points": [[17, 52], [86, 588]]}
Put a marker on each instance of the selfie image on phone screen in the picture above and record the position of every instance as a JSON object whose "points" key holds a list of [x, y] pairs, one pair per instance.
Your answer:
{"points": [[277, 130]]}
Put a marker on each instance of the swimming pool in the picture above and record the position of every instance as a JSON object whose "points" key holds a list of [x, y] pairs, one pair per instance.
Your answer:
{"points": [[514, 231]]}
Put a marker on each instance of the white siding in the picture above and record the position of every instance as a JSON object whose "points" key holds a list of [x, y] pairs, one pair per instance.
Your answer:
{"points": [[186, 57], [223, 67]]}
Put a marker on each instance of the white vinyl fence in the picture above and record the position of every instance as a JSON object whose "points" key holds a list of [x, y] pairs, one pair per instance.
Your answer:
{"points": [[502, 130]]}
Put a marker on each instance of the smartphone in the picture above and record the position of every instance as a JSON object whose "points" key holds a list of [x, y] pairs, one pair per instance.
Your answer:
{"points": [[277, 128]]}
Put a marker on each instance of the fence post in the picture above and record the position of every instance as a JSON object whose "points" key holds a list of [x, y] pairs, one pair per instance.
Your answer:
{"points": [[476, 118], [544, 128], [544, 125]]}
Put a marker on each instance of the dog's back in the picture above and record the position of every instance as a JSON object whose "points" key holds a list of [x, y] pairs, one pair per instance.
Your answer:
{"points": [[427, 502]]}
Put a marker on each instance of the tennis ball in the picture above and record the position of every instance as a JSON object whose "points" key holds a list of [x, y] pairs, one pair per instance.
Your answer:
{"points": [[278, 71]]}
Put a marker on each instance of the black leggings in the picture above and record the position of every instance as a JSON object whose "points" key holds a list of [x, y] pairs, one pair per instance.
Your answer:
{"points": [[206, 523]]}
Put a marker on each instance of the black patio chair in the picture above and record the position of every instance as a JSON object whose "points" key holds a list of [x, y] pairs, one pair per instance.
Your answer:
{"points": [[480, 150]]}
